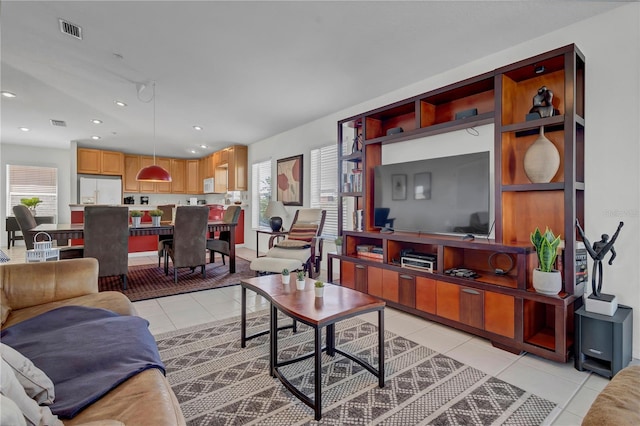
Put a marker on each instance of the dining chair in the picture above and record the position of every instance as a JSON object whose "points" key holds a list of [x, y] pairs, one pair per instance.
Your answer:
{"points": [[301, 247], [222, 243], [106, 238], [167, 216], [26, 222], [187, 249]]}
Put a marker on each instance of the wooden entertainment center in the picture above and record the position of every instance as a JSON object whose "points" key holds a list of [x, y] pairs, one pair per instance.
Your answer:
{"points": [[503, 308]]}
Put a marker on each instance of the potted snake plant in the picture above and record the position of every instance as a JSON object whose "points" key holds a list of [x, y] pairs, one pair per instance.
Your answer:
{"points": [[546, 280]]}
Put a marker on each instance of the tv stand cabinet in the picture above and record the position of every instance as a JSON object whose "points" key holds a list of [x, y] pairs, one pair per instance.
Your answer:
{"points": [[502, 307]]}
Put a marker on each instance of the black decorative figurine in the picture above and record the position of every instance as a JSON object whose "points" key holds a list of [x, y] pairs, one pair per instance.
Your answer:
{"points": [[597, 253], [542, 103]]}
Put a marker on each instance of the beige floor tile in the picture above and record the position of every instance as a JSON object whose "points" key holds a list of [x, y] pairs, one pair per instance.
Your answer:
{"points": [[567, 419], [580, 403]]}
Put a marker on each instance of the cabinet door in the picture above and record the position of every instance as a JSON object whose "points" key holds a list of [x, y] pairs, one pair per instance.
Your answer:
{"points": [[407, 290], [374, 281], [112, 163], [347, 274], [238, 168], [178, 176], [390, 285], [220, 181], [426, 294], [131, 169], [448, 300], [193, 177], [146, 187], [224, 156], [499, 314], [361, 278], [164, 187], [89, 161], [472, 307]]}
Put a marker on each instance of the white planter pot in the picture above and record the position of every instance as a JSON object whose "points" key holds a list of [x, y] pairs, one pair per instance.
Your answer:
{"points": [[339, 249], [319, 291], [155, 220], [300, 284], [547, 282], [135, 221], [286, 279]]}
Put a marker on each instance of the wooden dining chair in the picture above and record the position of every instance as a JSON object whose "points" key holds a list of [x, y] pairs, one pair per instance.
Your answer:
{"points": [[187, 249], [106, 238], [26, 222], [167, 216], [222, 243]]}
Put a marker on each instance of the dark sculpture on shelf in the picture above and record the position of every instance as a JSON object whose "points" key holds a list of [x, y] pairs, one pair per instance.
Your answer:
{"points": [[597, 252], [357, 144], [542, 103]]}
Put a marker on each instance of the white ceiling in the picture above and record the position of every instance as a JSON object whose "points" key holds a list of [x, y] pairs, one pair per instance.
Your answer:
{"points": [[243, 71]]}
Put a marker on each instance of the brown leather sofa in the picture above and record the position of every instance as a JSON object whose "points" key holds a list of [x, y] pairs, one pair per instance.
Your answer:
{"points": [[619, 402], [31, 289]]}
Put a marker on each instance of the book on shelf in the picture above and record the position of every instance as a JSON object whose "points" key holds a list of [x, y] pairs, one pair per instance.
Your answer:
{"points": [[369, 255]]}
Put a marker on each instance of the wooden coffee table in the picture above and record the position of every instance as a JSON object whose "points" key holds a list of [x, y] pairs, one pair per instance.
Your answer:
{"points": [[338, 304]]}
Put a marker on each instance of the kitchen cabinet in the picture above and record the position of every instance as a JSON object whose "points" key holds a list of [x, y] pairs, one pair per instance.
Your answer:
{"points": [[98, 162], [178, 176], [131, 169], [164, 187], [146, 187], [237, 171], [193, 179]]}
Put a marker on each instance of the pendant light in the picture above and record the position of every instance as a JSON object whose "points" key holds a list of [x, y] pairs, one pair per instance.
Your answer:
{"points": [[153, 173]]}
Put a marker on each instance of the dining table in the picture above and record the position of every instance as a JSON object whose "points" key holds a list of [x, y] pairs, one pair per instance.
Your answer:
{"points": [[60, 231]]}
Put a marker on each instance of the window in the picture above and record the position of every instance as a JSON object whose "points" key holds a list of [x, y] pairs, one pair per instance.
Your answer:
{"points": [[33, 181], [324, 185], [260, 193]]}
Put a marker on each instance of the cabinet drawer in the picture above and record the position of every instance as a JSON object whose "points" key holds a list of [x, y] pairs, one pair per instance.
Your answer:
{"points": [[472, 307], [448, 300]]}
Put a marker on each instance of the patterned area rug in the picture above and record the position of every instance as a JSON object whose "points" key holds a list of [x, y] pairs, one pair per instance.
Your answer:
{"points": [[149, 281], [219, 383]]}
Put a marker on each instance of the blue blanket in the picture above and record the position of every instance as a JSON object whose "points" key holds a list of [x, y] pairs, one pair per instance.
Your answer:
{"points": [[85, 351]]}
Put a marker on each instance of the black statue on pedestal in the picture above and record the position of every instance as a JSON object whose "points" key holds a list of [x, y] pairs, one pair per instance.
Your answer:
{"points": [[597, 253], [542, 103]]}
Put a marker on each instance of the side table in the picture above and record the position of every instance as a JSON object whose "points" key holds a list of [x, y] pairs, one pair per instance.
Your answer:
{"points": [[603, 343]]}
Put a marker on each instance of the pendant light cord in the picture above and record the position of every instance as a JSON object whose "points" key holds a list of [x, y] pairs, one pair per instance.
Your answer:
{"points": [[154, 123]]}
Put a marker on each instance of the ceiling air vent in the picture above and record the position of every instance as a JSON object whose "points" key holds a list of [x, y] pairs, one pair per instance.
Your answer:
{"points": [[71, 29], [58, 123]]}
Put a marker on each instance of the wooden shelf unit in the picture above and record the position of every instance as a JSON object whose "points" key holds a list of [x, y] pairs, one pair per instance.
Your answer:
{"points": [[501, 307]]}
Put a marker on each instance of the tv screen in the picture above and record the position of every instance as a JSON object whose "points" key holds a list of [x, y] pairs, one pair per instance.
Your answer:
{"points": [[447, 195]]}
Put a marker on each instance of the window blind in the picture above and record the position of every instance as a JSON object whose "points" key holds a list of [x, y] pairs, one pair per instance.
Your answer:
{"points": [[260, 192], [324, 186], [33, 181]]}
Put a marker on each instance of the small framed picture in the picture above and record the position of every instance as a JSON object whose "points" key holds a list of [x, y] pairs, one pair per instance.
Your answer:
{"points": [[290, 180], [398, 187], [422, 186]]}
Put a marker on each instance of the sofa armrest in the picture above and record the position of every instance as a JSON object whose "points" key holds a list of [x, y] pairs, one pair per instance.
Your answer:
{"points": [[30, 284]]}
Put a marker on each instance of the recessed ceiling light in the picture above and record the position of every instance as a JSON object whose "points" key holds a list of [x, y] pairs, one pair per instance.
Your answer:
{"points": [[96, 121], [24, 129], [120, 103], [193, 151], [197, 127], [204, 146], [8, 94], [95, 138]]}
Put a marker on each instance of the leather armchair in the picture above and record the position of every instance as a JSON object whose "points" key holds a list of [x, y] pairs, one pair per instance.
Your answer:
{"points": [[106, 238]]}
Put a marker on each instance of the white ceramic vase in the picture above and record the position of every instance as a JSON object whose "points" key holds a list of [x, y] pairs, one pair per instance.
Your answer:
{"points": [[319, 291], [549, 283], [542, 160], [300, 284], [135, 221], [286, 279], [155, 220]]}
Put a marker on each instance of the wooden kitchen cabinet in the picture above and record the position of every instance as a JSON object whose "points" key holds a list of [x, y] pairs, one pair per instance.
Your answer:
{"points": [[164, 187], [98, 162], [237, 170], [194, 181], [178, 176], [146, 187], [131, 169]]}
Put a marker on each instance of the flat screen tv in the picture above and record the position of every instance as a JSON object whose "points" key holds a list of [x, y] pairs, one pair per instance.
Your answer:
{"points": [[447, 195]]}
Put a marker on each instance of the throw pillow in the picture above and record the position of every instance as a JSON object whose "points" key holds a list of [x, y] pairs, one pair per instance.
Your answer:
{"points": [[34, 381], [32, 412], [293, 244], [302, 231], [10, 414], [4, 306]]}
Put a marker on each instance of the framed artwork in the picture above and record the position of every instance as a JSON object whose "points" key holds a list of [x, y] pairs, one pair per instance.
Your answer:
{"points": [[422, 186], [398, 187], [290, 180]]}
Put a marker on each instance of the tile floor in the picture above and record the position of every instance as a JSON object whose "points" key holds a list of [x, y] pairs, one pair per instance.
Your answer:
{"points": [[572, 390]]}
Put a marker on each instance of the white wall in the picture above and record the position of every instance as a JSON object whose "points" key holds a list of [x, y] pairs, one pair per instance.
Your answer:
{"points": [[45, 157], [611, 44]]}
